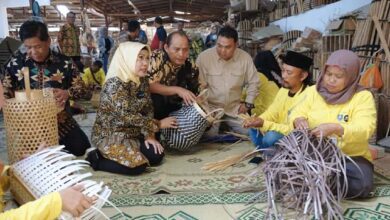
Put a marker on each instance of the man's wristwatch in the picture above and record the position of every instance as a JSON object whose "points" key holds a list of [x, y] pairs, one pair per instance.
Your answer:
{"points": [[249, 105]]}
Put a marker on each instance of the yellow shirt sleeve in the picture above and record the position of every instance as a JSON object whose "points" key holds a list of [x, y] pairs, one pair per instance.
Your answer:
{"points": [[361, 126], [46, 208], [101, 77], [86, 76], [272, 118]]}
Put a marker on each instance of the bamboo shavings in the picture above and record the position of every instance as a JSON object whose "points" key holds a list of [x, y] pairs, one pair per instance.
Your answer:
{"points": [[306, 174], [230, 161]]}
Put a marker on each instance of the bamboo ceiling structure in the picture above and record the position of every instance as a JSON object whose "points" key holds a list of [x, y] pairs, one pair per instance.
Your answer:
{"points": [[113, 12]]}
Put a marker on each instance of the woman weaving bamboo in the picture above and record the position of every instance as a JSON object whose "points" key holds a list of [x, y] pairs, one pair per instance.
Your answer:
{"points": [[124, 130], [339, 108]]}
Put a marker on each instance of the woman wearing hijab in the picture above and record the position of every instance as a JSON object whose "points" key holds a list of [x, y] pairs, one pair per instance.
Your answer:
{"points": [[339, 108], [124, 130]]}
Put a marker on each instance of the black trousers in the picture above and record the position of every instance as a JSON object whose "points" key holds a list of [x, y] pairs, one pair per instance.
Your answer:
{"points": [[163, 105], [98, 162], [76, 141]]}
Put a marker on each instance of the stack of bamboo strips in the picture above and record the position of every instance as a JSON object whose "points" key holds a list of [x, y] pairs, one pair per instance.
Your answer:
{"points": [[331, 43], [367, 38], [244, 32], [385, 72], [281, 11], [286, 8], [290, 37]]}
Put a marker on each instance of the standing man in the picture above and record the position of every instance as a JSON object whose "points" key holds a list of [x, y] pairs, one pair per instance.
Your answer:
{"points": [[160, 36], [173, 79], [105, 43], [275, 121], [180, 26], [225, 70], [134, 30], [49, 69], [68, 38]]}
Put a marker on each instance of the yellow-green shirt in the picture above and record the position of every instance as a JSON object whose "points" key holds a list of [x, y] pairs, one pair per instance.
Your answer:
{"points": [[47, 207], [267, 92], [277, 116], [88, 79], [357, 117]]}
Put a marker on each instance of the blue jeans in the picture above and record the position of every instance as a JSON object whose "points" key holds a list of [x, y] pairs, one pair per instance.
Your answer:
{"points": [[105, 62], [266, 141]]}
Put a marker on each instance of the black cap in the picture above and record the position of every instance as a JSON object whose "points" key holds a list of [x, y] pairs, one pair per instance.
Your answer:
{"points": [[297, 60]]}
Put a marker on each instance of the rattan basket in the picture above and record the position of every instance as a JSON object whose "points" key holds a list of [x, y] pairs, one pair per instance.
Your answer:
{"points": [[30, 119], [52, 170]]}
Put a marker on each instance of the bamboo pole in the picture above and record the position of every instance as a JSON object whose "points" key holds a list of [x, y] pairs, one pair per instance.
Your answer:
{"points": [[384, 44]]}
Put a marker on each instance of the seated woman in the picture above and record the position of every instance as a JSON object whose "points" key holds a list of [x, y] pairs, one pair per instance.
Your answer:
{"points": [[339, 108], [124, 130], [270, 76]]}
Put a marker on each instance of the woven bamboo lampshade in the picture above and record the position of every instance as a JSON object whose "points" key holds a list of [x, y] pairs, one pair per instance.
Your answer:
{"points": [[30, 119]]}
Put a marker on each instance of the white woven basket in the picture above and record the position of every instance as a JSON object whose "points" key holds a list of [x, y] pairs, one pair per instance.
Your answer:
{"points": [[52, 170]]}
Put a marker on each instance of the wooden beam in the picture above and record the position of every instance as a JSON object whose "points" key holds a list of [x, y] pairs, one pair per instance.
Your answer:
{"points": [[381, 37]]}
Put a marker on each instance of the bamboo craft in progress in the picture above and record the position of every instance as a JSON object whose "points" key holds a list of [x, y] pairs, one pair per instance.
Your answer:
{"points": [[52, 170], [306, 174], [30, 119]]}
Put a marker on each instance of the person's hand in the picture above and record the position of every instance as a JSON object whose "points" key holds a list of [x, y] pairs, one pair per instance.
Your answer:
{"points": [[158, 149], [74, 201], [253, 122], [61, 96], [187, 96], [327, 129], [168, 122], [242, 109], [301, 123]]}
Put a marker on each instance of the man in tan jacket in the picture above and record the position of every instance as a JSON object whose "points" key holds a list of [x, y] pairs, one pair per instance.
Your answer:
{"points": [[225, 70]]}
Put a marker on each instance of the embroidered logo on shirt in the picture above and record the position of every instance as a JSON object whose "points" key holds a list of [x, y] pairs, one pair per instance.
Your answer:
{"points": [[344, 118]]}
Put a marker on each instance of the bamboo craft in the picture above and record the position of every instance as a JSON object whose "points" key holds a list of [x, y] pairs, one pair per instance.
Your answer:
{"points": [[52, 170], [332, 43], [30, 119], [367, 38], [305, 174], [385, 72]]}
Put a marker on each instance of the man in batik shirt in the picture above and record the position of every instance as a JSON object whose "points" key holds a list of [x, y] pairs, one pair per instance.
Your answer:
{"points": [[68, 38], [49, 69], [173, 79]]}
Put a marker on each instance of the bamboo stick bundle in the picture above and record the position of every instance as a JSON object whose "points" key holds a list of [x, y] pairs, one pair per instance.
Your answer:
{"points": [[305, 175], [385, 72]]}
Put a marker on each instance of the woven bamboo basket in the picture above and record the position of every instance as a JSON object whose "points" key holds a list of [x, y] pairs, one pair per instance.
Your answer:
{"points": [[52, 170], [30, 120]]}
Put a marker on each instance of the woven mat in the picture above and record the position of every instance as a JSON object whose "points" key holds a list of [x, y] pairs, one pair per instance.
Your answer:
{"points": [[382, 166], [181, 173]]}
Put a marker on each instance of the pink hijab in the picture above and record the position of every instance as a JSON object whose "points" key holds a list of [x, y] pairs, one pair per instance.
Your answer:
{"points": [[349, 62]]}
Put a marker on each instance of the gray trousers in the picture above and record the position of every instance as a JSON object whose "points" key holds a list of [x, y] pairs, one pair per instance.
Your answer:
{"points": [[232, 123], [360, 182]]}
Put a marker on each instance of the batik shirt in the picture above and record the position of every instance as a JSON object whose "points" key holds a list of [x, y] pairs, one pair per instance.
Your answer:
{"points": [[68, 39], [58, 71], [125, 116], [163, 71]]}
